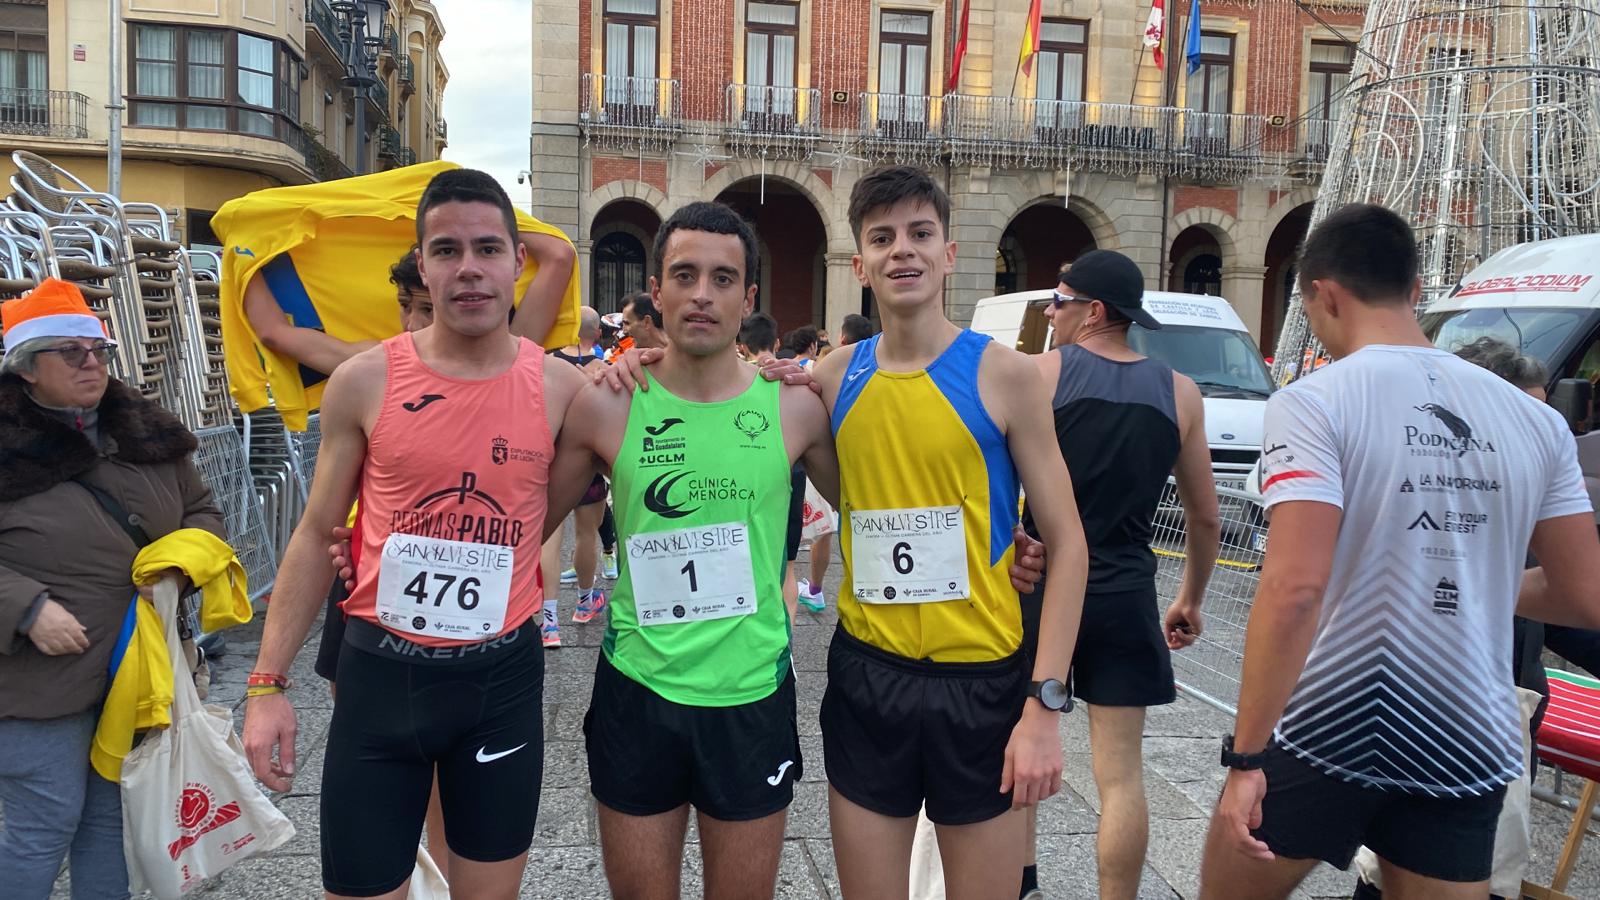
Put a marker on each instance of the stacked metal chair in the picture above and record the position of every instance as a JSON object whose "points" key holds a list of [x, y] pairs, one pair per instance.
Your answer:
{"points": [[161, 302]]}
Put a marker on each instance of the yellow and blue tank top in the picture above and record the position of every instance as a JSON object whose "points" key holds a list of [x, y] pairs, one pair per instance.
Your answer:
{"points": [[919, 440]]}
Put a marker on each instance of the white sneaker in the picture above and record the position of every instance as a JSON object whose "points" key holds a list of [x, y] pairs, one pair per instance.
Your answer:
{"points": [[608, 566]]}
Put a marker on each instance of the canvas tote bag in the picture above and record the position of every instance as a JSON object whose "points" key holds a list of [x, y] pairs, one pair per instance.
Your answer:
{"points": [[190, 807]]}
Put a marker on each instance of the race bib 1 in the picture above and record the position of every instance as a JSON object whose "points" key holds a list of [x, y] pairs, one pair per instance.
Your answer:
{"points": [[692, 574], [908, 555], [443, 588]]}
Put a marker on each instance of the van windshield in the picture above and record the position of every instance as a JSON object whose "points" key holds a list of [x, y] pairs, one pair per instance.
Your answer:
{"points": [[1539, 333], [1221, 361]]}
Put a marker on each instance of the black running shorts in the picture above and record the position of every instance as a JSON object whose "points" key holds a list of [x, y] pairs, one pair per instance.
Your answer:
{"points": [[898, 733], [479, 718], [1121, 658], [1308, 814], [648, 755], [327, 662]]}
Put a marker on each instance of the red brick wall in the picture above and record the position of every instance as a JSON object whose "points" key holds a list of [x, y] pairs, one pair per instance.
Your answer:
{"points": [[1189, 196], [702, 55], [840, 65], [610, 168]]}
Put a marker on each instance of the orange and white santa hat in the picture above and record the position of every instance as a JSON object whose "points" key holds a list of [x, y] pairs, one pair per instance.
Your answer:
{"points": [[53, 309]]}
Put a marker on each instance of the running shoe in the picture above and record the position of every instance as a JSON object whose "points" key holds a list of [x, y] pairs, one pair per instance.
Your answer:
{"points": [[608, 566], [589, 606], [569, 576], [811, 596], [552, 635], [1034, 894]]}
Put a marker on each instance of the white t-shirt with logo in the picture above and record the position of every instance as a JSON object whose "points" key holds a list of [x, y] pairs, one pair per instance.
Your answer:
{"points": [[1442, 470]]}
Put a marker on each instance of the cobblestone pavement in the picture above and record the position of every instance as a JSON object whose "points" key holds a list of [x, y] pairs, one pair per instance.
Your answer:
{"points": [[1182, 779]]}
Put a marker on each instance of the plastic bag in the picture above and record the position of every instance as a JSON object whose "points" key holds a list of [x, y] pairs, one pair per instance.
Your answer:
{"points": [[190, 808]]}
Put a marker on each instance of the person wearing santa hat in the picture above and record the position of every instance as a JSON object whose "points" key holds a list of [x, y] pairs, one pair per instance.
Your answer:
{"points": [[68, 430]]}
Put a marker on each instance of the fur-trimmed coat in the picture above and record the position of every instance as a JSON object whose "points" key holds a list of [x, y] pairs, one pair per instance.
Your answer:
{"points": [[55, 537]]}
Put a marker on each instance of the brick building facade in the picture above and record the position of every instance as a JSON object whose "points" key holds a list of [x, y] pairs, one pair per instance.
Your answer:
{"points": [[777, 107]]}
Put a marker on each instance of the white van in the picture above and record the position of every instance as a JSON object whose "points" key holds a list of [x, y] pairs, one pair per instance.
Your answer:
{"points": [[1544, 298], [1200, 336]]}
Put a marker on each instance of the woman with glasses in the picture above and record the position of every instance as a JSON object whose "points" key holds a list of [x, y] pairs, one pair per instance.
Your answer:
{"points": [[67, 431]]}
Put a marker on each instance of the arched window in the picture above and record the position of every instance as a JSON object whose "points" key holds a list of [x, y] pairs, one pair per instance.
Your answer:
{"points": [[618, 271], [1203, 275]]}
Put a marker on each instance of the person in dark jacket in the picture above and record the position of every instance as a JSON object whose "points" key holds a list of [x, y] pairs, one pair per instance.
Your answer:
{"points": [[65, 579]]}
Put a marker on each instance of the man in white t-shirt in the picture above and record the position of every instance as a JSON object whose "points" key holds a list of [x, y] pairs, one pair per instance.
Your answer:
{"points": [[1404, 486]]}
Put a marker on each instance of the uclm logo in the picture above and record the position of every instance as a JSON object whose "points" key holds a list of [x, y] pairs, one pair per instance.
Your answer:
{"points": [[197, 814]]}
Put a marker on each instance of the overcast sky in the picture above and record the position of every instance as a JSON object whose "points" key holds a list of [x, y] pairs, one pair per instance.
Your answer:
{"points": [[488, 50]]}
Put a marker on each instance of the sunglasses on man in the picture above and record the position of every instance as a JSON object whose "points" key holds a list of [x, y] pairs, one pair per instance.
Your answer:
{"points": [[75, 355], [1060, 299]]}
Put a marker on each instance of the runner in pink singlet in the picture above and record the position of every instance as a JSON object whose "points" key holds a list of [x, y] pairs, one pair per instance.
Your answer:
{"points": [[447, 472], [447, 433]]}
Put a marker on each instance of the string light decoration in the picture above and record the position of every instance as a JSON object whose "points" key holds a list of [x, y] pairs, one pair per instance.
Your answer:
{"points": [[1476, 121]]}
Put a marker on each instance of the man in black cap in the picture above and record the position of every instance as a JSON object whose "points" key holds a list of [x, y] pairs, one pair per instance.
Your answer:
{"points": [[1124, 423]]}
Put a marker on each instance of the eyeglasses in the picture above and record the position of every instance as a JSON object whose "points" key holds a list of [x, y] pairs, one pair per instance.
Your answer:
{"points": [[75, 355], [1060, 300]]}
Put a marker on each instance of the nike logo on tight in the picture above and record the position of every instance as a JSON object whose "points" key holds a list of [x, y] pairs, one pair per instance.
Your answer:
{"points": [[485, 757], [777, 779], [418, 404]]}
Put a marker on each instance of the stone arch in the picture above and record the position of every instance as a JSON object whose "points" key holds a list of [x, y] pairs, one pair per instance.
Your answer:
{"points": [[1087, 208], [1215, 222], [787, 171], [613, 191], [1285, 205]]}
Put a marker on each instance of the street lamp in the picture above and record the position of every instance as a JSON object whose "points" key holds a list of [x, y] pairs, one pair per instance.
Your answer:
{"points": [[361, 26]]}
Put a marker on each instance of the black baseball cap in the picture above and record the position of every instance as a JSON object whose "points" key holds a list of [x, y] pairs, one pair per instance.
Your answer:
{"points": [[1114, 280]]}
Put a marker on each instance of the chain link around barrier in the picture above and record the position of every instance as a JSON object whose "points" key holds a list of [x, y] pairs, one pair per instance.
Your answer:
{"points": [[1209, 670]]}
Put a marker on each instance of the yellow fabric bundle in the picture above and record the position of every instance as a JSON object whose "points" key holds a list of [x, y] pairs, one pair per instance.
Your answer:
{"points": [[141, 692], [342, 237]]}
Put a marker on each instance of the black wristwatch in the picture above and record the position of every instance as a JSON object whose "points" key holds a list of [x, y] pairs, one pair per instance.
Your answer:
{"points": [[1052, 694], [1244, 762]]}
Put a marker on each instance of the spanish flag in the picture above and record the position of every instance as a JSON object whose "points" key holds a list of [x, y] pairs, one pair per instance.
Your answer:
{"points": [[325, 250], [1030, 38]]}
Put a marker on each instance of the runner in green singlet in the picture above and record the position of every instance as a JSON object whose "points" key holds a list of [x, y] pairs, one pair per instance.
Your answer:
{"points": [[694, 700]]}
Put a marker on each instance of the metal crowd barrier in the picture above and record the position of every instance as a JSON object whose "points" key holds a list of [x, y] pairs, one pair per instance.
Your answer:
{"points": [[1209, 670]]}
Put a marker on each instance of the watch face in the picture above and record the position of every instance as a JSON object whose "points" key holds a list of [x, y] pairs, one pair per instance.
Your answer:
{"points": [[1053, 694]]}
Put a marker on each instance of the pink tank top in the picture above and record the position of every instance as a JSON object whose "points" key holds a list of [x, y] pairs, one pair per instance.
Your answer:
{"points": [[452, 501]]}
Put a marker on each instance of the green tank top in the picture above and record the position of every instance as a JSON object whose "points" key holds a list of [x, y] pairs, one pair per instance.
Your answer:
{"points": [[701, 495]]}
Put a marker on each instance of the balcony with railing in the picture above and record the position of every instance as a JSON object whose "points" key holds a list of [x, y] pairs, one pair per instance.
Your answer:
{"points": [[406, 157], [388, 143], [1313, 143], [1025, 132], [1218, 146], [630, 110], [47, 114], [378, 96], [772, 121], [408, 78], [323, 21], [390, 47], [908, 122]]}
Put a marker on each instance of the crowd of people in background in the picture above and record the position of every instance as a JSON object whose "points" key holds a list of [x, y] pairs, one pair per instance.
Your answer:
{"points": [[993, 513]]}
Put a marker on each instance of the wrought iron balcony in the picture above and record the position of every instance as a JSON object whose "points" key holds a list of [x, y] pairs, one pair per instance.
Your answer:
{"points": [[630, 110], [901, 118], [323, 20], [1313, 142], [408, 78], [378, 96], [388, 143], [1024, 132], [1218, 146], [406, 157], [55, 114], [779, 122]]}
